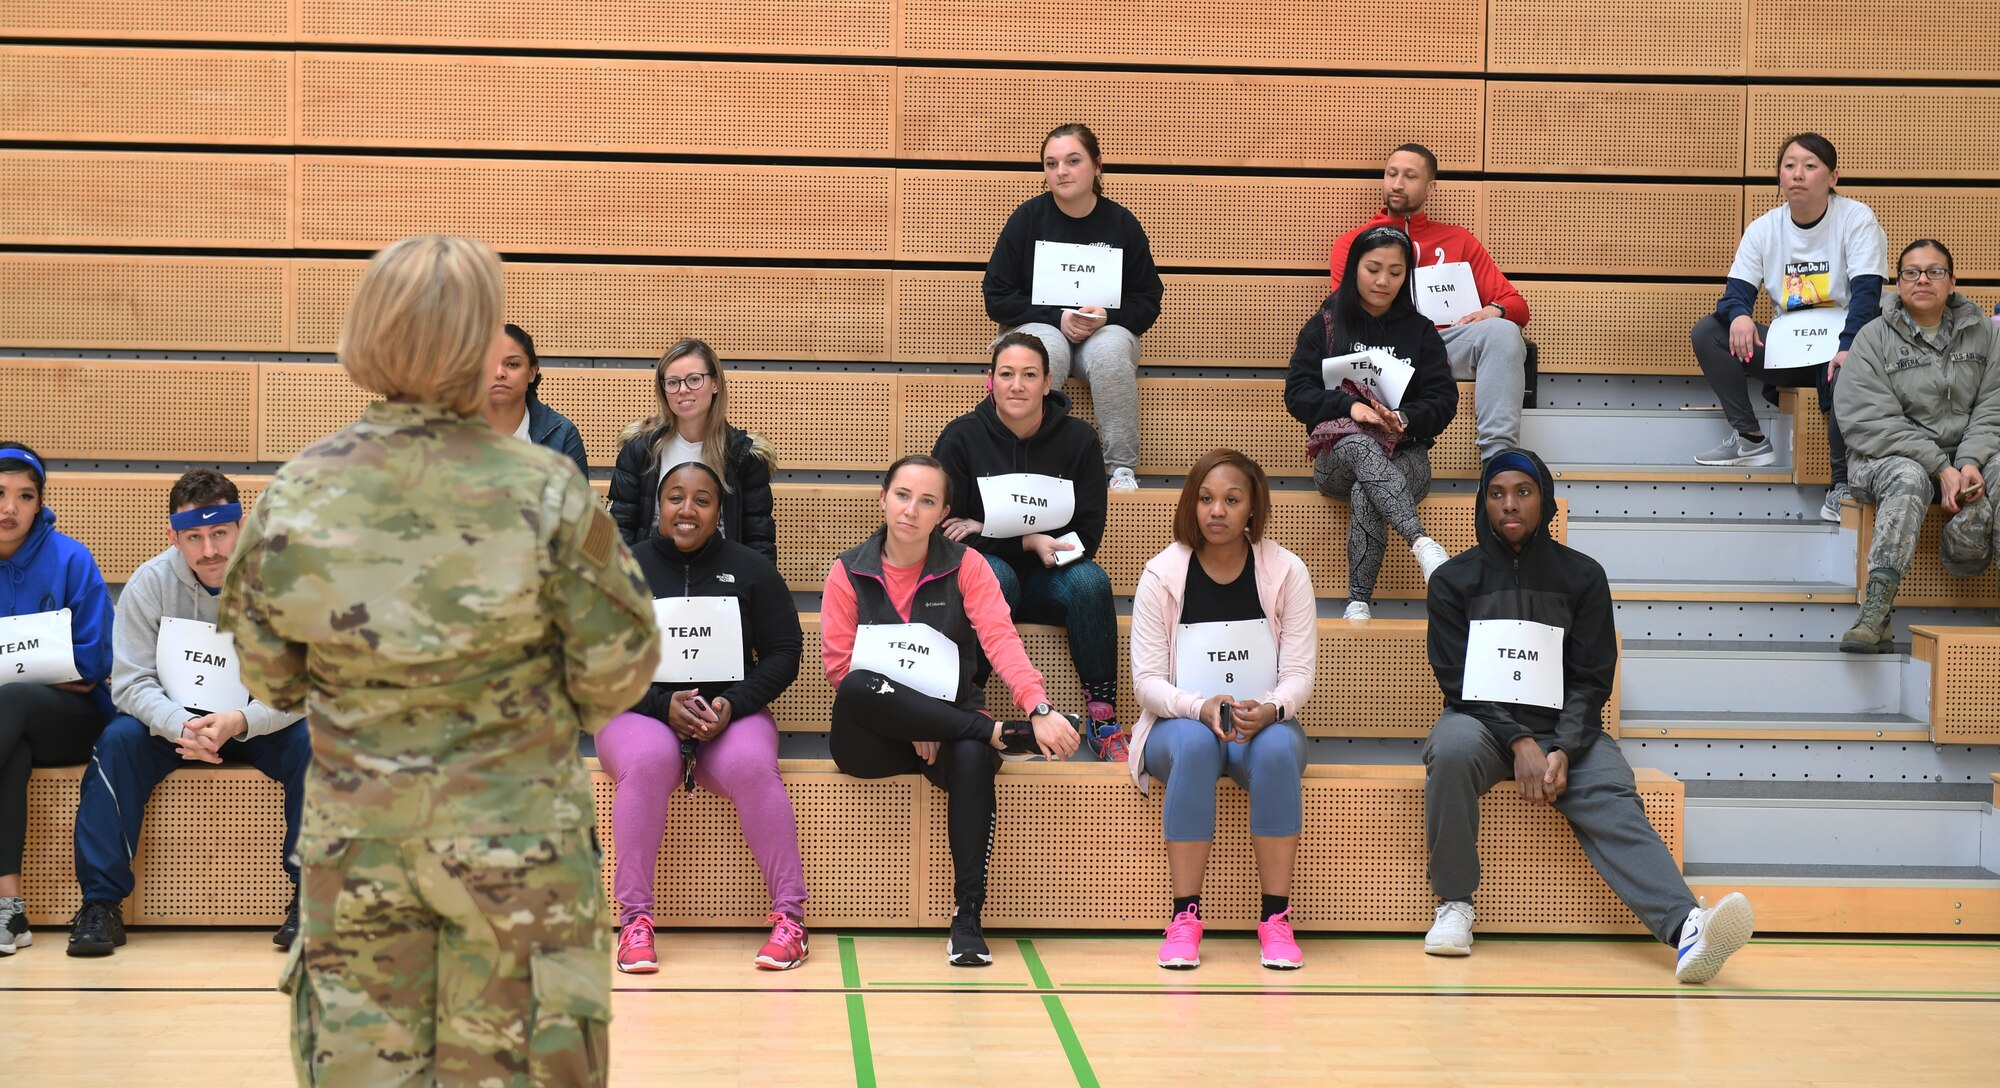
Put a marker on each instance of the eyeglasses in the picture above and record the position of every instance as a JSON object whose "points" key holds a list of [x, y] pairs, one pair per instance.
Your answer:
{"points": [[1912, 275], [693, 382]]}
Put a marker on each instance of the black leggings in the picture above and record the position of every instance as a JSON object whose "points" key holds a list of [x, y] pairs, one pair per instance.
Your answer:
{"points": [[874, 723], [40, 726]]}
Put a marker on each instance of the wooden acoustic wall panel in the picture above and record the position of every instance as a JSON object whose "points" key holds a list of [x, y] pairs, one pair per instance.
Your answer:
{"points": [[1611, 229], [661, 107], [820, 420], [1614, 128], [48, 861], [141, 411], [206, 20], [1190, 221], [212, 849], [222, 96], [1812, 457], [1957, 39], [602, 403], [1617, 37], [301, 403], [1881, 132], [1306, 122], [1966, 219], [599, 207], [121, 516], [1927, 584], [1965, 682], [1446, 36], [1617, 328], [145, 199], [150, 303], [771, 27], [807, 705]]}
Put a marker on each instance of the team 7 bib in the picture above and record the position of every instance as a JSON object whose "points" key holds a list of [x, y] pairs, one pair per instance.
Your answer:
{"points": [[198, 666], [1237, 658], [1514, 661], [1444, 292], [915, 654], [1388, 376], [37, 649], [1020, 503], [1804, 337], [1067, 274], [701, 639]]}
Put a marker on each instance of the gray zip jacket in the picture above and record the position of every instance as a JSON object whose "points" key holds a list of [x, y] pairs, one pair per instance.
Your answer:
{"points": [[165, 586], [1936, 402]]}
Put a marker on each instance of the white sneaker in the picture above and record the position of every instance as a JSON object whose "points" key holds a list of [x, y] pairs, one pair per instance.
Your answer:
{"points": [[1830, 509], [1710, 936], [1123, 480], [1451, 934], [1430, 555], [1358, 610], [14, 934]]}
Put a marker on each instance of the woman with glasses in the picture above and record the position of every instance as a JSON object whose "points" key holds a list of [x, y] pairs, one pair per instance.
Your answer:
{"points": [[1920, 405], [693, 425]]}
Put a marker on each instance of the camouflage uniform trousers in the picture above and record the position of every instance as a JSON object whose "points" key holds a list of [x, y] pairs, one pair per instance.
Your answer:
{"points": [[481, 961], [1902, 492]]}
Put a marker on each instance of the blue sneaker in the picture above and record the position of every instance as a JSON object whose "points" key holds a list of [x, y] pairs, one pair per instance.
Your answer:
{"points": [[1711, 936], [1109, 742]]}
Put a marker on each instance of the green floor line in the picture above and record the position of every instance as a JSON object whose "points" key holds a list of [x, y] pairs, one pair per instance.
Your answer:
{"points": [[974, 985], [1691, 991], [1078, 1063], [1484, 938], [857, 1018]]}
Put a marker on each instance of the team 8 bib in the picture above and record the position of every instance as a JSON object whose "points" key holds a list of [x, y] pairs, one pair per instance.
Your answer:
{"points": [[701, 639], [1514, 661], [1237, 658], [915, 654], [1020, 503], [37, 649], [198, 666]]}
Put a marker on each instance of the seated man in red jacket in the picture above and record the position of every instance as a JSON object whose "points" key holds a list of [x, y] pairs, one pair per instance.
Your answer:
{"points": [[1457, 285]]}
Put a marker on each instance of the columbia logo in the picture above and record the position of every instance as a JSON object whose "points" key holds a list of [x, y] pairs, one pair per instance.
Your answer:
{"points": [[933, 604]]}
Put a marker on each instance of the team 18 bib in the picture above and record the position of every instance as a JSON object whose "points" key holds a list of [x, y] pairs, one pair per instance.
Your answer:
{"points": [[1238, 658], [1380, 371], [198, 666], [37, 649], [1020, 503], [1514, 661], [701, 639], [915, 654]]}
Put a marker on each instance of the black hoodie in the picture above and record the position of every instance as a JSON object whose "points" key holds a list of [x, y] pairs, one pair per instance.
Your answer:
{"points": [[772, 638], [979, 444], [1429, 403], [1545, 582]]}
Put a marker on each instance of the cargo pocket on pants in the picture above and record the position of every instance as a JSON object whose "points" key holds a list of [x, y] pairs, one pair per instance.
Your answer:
{"points": [[305, 1012], [568, 1040]]}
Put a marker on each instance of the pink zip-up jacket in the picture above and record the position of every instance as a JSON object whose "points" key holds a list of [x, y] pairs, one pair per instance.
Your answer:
{"points": [[1284, 588]]}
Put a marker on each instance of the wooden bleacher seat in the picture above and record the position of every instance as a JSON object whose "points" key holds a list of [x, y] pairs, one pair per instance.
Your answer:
{"points": [[1965, 681], [1926, 584]]}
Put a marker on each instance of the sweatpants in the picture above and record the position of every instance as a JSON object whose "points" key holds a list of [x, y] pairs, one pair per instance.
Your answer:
{"points": [[1464, 760], [130, 760], [1730, 378], [1189, 758], [1382, 493], [1077, 598], [643, 755], [873, 726], [40, 726], [1493, 355], [1109, 363]]}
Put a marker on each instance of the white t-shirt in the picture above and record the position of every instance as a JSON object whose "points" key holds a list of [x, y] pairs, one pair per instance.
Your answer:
{"points": [[521, 432], [678, 451], [1805, 267]]}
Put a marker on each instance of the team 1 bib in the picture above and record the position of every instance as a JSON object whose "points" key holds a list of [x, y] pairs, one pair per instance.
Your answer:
{"points": [[1444, 292], [1067, 274], [1514, 661], [198, 666], [1020, 503], [1380, 371], [37, 649], [701, 639], [1804, 338], [1237, 658], [915, 654]]}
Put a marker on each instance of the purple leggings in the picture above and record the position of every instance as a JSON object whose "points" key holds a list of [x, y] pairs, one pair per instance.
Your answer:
{"points": [[644, 757]]}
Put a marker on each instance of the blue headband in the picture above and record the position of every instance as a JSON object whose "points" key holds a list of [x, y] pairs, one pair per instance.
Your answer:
{"points": [[1512, 461], [16, 453], [201, 517]]}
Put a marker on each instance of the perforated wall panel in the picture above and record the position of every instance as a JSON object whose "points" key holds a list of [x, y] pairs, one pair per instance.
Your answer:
{"points": [[141, 411], [144, 199], [762, 27], [1927, 584], [1614, 128], [821, 419], [1812, 458], [48, 862], [206, 20], [211, 852], [1965, 686], [1612, 230], [602, 403], [303, 403], [1881, 132], [1956, 39], [1621, 37], [157, 303], [223, 96], [1617, 328], [117, 515]]}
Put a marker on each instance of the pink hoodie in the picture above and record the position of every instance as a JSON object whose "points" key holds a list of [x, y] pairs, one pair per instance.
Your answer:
{"points": [[1284, 588]]}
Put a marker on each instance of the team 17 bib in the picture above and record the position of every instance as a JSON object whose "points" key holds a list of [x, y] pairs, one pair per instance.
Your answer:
{"points": [[914, 654], [37, 649], [1238, 658], [1020, 503], [701, 639], [1514, 661], [198, 666]]}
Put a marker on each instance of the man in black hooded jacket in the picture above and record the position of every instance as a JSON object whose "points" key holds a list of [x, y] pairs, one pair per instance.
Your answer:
{"points": [[1521, 639]]}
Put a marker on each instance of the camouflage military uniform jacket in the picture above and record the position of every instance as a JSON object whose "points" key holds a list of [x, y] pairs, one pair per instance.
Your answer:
{"points": [[452, 606]]}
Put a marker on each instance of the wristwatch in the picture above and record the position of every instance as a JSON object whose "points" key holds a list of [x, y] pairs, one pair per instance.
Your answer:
{"points": [[1043, 708]]}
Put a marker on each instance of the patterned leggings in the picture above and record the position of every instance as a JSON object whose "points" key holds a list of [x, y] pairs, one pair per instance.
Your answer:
{"points": [[1382, 493]]}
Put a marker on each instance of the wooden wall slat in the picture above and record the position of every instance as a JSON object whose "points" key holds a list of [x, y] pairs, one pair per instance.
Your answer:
{"points": [[1952, 39], [1965, 218], [1622, 37], [1627, 129], [64, 198], [1881, 132], [144, 303], [146, 20], [755, 27], [95, 409], [1642, 231], [221, 96]]}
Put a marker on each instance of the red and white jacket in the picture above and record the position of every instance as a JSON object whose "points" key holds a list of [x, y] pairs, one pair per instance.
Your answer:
{"points": [[1443, 243]]}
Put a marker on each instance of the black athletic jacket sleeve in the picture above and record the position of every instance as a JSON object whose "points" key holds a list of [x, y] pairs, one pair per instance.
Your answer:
{"points": [[1430, 402]]}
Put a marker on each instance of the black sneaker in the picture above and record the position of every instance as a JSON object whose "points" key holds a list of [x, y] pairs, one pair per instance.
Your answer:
{"points": [[288, 932], [967, 946], [96, 929]]}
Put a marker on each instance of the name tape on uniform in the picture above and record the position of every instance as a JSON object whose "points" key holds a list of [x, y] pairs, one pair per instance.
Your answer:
{"points": [[1804, 337], [701, 639], [37, 649], [916, 654], [1380, 371], [1514, 661], [198, 666], [1237, 658], [1067, 274], [1019, 503], [1444, 291]]}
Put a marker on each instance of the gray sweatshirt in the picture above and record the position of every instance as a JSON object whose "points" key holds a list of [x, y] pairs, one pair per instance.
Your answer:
{"points": [[165, 587], [1936, 402]]}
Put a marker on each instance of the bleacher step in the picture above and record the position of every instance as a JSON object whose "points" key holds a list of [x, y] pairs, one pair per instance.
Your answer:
{"points": [[1649, 589], [1834, 830], [1765, 725], [1813, 680], [1737, 551], [1638, 436], [1680, 472]]}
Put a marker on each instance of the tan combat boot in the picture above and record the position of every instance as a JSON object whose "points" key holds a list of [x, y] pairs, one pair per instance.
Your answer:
{"points": [[1870, 633]]}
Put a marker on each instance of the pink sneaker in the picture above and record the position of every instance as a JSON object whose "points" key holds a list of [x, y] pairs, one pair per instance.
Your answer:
{"points": [[1275, 944], [635, 947], [787, 947], [1181, 951]]}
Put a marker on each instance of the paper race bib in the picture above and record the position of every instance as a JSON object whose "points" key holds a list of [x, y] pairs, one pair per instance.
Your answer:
{"points": [[1380, 371], [37, 649], [1238, 658], [916, 654], [1514, 661], [1067, 274], [701, 639], [1804, 337], [1444, 292], [1020, 503], [198, 666]]}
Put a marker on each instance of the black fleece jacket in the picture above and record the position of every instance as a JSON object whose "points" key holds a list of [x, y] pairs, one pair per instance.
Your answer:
{"points": [[1429, 403], [979, 443], [1009, 285], [772, 637], [1545, 582], [746, 509]]}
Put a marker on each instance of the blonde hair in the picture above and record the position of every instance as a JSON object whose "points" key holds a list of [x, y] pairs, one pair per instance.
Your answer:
{"points": [[714, 426], [422, 322]]}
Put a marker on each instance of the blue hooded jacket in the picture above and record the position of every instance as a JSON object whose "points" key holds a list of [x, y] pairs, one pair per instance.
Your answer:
{"points": [[52, 571]]}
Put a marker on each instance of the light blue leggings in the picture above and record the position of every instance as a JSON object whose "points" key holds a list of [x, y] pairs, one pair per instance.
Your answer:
{"points": [[1189, 758]]}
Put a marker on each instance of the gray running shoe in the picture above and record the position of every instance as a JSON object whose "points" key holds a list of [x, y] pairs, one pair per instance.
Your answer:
{"points": [[1738, 450]]}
